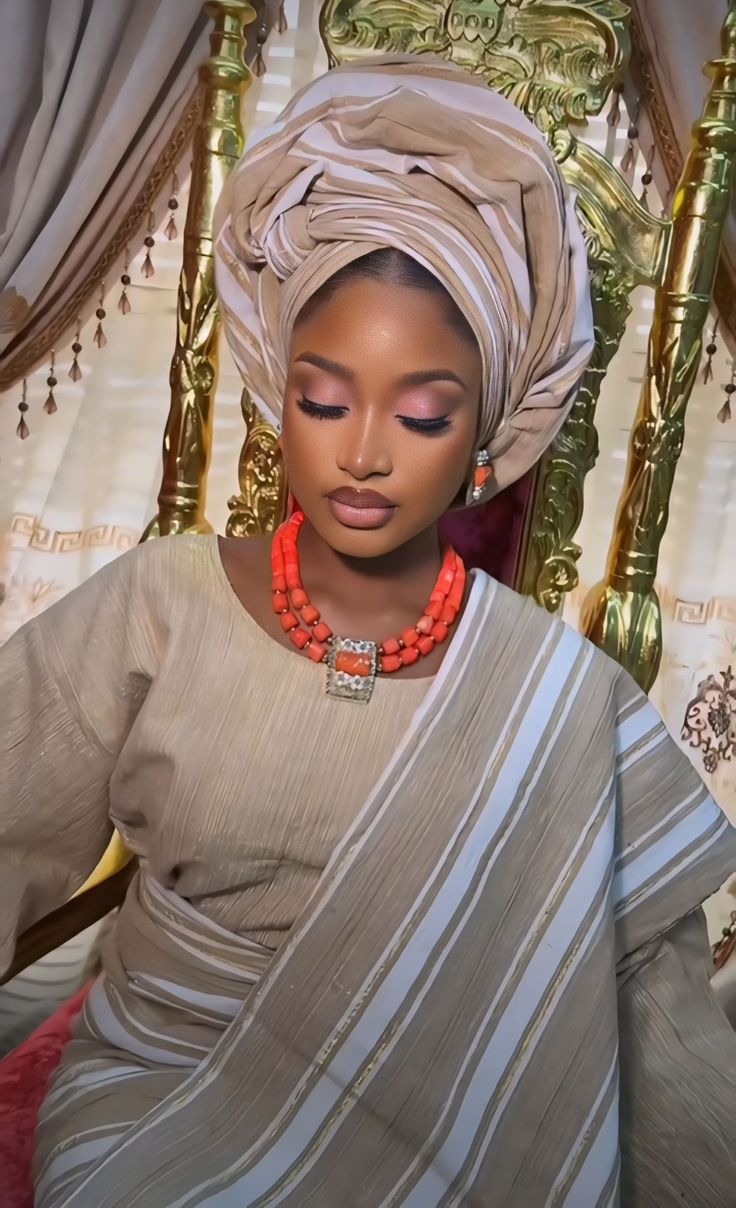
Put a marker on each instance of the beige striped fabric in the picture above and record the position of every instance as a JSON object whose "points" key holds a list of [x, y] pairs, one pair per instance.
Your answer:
{"points": [[441, 1026], [413, 153]]}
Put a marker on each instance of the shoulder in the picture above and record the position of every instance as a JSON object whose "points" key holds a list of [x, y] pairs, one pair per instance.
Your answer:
{"points": [[188, 576], [146, 589], [189, 556], [120, 619], [164, 567], [671, 846], [167, 556], [523, 619]]}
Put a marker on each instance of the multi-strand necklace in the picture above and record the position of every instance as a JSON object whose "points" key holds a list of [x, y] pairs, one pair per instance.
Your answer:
{"points": [[353, 663]]}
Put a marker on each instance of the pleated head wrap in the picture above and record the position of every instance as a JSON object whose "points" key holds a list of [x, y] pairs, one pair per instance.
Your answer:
{"points": [[413, 153]]}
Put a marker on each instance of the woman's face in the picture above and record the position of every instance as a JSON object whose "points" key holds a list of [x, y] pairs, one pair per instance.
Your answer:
{"points": [[380, 415]]}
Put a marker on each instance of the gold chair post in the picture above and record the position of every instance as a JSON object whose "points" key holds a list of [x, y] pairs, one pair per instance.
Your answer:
{"points": [[218, 143], [260, 506], [622, 614]]}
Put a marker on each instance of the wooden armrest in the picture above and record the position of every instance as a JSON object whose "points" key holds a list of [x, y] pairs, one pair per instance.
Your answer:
{"points": [[81, 911]]}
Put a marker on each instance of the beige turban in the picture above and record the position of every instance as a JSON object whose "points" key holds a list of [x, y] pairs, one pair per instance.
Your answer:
{"points": [[413, 153]]}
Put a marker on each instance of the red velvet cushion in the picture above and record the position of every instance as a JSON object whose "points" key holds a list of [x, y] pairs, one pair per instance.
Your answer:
{"points": [[24, 1077], [490, 536]]}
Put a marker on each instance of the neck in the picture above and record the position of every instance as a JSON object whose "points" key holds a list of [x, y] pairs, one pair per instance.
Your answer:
{"points": [[370, 589]]}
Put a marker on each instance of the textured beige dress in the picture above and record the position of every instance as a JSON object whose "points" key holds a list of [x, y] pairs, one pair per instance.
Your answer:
{"points": [[236, 782], [150, 698]]}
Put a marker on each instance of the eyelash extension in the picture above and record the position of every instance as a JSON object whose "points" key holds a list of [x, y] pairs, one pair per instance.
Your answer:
{"points": [[318, 411], [428, 426]]}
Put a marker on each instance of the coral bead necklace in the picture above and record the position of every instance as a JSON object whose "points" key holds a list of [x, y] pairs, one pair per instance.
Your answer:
{"points": [[353, 663]]}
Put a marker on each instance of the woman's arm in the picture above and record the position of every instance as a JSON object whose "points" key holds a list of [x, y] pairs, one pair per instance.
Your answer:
{"points": [[678, 1075], [71, 684]]}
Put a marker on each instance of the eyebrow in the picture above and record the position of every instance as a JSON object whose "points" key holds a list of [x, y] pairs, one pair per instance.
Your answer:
{"points": [[420, 378]]}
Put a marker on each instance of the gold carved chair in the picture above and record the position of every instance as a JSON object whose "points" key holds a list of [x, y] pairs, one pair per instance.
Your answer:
{"points": [[558, 61]]}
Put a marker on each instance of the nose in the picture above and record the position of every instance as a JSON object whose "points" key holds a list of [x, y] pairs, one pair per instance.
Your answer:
{"points": [[365, 448]]}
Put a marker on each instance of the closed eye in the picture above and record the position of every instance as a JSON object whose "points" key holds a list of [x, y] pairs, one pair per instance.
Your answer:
{"points": [[425, 425], [317, 411]]}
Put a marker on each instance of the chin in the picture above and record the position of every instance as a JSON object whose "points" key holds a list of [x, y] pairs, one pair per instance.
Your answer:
{"points": [[356, 542], [361, 543]]}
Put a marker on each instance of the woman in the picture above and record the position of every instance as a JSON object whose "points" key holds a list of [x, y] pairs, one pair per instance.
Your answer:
{"points": [[423, 950]]}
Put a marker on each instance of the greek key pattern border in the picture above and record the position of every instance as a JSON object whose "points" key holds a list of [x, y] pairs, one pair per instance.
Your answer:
{"points": [[72, 541]]}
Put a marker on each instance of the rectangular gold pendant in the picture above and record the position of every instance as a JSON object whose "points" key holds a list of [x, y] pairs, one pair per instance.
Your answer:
{"points": [[351, 665]]}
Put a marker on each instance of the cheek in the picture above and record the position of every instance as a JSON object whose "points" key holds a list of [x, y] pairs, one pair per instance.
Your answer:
{"points": [[456, 450], [298, 434], [435, 469], [307, 447]]}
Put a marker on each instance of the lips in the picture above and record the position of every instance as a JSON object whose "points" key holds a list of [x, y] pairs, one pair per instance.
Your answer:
{"points": [[360, 509], [352, 497]]}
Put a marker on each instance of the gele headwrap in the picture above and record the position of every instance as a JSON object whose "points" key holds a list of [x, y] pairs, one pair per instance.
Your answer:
{"points": [[413, 153]]}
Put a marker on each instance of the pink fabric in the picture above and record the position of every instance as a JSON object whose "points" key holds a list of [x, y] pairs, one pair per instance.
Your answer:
{"points": [[24, 1077]]}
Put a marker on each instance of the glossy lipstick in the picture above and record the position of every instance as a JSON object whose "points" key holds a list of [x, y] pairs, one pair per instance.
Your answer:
{"points": [[360, 509]]}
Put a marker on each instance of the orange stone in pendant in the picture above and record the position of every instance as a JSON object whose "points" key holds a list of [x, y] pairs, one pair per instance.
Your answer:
{"points": [[353, 664]]}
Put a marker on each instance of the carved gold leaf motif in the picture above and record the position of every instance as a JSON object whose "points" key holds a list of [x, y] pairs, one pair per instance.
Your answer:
{"points": [[261, 504], [556, 61]]}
